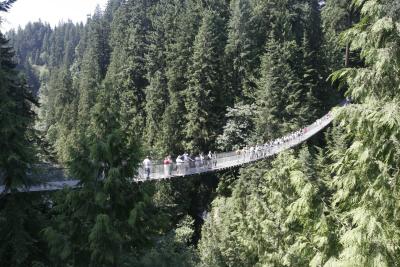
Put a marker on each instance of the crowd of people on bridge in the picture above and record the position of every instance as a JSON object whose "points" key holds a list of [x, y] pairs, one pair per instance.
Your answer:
{"points": [[183, 163], [186, 164]]}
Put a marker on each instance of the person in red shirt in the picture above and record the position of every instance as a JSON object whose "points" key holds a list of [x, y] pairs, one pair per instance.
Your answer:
{"points": [[167, 166]]}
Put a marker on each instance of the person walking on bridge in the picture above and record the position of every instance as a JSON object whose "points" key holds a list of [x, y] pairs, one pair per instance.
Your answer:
{"points": [[238, 152], [167, 166], [214, 159], [147, 166], [179, 164], [209, 159]]}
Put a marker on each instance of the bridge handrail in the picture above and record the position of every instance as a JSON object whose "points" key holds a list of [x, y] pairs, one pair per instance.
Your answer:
{"points": [[231, 159], [224, 160]]}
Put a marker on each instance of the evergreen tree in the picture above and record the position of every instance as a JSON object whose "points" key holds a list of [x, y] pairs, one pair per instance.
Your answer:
{"points": [[273, 218], [241, 50], [126, 75], [186, 18], [59, 98], [239, 129], [173, 248], [338, 16], [94, 65], [111, 9], [109, 220], [320, 95], [291, 89], [20, 215], [16, 121], [157, 90], [279, 98], [206, 85], [365, 177], [183, 74], [28, 43]]}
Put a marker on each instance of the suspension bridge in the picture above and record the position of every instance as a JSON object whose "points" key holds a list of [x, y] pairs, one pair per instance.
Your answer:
{"points": [[56, 178]]}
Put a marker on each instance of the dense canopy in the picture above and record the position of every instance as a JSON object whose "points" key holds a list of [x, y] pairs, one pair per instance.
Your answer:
{"points": [[167, 77]]}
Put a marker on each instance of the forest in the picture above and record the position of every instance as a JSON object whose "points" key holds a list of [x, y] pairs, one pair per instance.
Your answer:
{"points": [[164, 77]]}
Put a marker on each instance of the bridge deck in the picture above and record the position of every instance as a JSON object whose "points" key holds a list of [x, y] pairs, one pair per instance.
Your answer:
{"points": [[223, 161]]}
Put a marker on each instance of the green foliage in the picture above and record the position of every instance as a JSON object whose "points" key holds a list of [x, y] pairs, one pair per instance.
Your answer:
{"points": [[242, 49], [157, 96], [337, 17], [104, 241], [185, 20], [126, 73], [93, 67], [29, 50], [365, 179], [280, 96], [117, 214], [206, 87], [177, 67], [275, 217], [239, 128], [173, 249], [164, 76], [16, 121], [341, 210], [21, 217], [291, 91]]}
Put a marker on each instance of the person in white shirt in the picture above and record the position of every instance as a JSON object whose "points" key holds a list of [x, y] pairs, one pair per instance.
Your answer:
{"points": [[179, 164], [251, 152], [147, 166], [214, 158]]}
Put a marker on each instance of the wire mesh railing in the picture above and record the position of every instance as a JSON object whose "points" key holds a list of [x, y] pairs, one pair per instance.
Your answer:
{"points": [[233, 158], [220, 161]]}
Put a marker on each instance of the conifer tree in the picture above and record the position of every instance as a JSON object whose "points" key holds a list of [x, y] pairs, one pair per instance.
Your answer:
{"points": [[186, 18], [165, 74], [241, 50], [20, 215], [110, 218], [291, 89], [338, 16], [157, 91], [206, 88], [273, 218], [320, 96], [126, 75], [365, 176], [239, 128], [279, 95], [173, 248], [94, 65], [16, 121], [59, 98]]}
